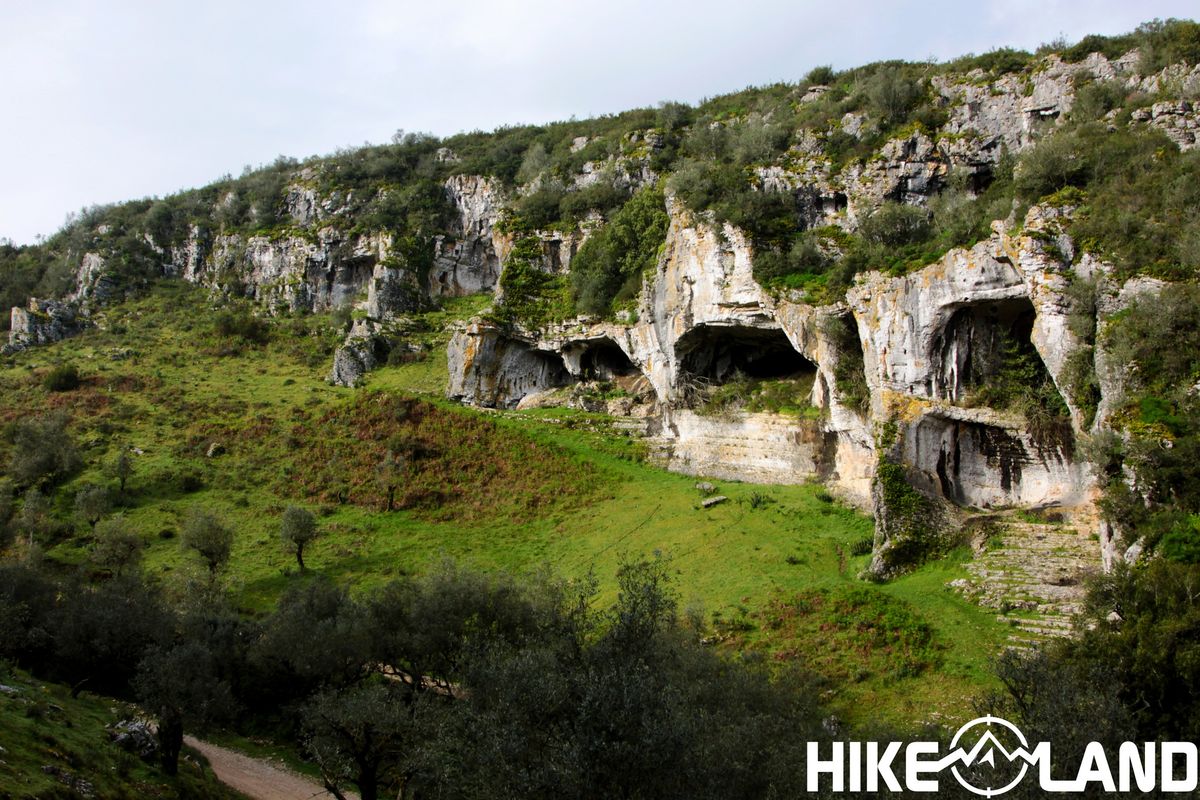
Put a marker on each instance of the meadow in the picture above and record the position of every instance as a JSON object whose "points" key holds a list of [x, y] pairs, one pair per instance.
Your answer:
{"points": [[244, 427]]}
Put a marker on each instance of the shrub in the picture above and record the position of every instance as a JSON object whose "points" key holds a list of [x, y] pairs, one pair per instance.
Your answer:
{"points": [[610, 265], [896, 224], [42, 450], [62, 378], [242, 325]]}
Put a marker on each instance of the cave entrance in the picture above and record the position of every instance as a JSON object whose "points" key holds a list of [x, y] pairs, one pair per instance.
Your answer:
{"points": [[985, 357], [731, 368], [981, 345], [716, 354], [604, 360]]}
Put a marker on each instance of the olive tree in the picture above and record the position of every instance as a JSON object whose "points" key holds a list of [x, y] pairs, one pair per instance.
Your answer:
{"points": [[91, 503], [204, 533], [180, 686], [116, 548], [298, 528]]}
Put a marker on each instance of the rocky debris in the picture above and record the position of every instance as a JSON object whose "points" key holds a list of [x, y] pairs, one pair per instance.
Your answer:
{"points": [[715, 500], [704, 487], [81, 787], [1177, 119], [135, 736], [215, 449], [42, 322], [9, 691]]}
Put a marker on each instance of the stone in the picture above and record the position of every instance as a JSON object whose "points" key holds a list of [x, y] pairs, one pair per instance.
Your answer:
{"points": [[135, 736], [215, 449], [705, 488], [716, 500], [41, 322]]}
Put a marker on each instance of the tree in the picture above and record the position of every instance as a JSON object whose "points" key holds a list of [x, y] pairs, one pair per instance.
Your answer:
{"points": [[121, 468], [316, 613], [388, 473], [43, 451], [209, 537], [299, 527], [116, 548], [102, 631], [34, 519], [357, 735], [179, 685], [6, 512], [91, 503]]}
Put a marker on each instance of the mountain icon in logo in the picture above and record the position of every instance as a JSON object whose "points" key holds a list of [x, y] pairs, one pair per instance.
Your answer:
{"points": [[988, 750]]}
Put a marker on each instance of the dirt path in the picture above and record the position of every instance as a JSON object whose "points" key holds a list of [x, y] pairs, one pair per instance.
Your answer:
{"points": [[256, 778]]}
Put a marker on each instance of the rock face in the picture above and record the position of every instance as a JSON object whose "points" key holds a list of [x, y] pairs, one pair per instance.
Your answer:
{"points": [[470, 263], [42, 322], [921, 340]]}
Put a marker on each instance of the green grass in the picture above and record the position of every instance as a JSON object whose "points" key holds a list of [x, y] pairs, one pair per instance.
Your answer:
{"points": [[50, 739], [548, 487]]}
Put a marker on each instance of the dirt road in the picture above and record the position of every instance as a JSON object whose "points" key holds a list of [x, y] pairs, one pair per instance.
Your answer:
{"points": [[256, 778]]}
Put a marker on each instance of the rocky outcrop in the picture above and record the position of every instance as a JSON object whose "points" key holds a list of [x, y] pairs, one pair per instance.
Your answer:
{"points": [[702, 317], [42, 322], [492, 368], [469, 262], [1177, 119], [364, 349]]}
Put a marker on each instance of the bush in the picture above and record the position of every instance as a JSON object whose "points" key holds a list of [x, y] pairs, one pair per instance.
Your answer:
{"points": [[610, 265], [243, 325], [62, 378], [42, 450], [896, 224]]}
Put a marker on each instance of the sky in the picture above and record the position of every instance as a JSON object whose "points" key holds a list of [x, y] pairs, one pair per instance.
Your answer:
{"points": [[119, 99]]}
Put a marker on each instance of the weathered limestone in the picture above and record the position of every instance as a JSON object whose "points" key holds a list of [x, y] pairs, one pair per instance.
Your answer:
{"points": [[42, 322], [469, 262]]}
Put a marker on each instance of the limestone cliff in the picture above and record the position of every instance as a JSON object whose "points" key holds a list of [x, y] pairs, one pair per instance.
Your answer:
{"points": [[887, 392]]}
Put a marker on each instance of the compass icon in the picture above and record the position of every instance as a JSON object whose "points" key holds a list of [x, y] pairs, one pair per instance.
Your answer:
{"points": [[987, 748]]}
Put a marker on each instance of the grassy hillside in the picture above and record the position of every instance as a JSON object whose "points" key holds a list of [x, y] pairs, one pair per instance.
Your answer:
{"points": [[56, 746], [496, 490]]}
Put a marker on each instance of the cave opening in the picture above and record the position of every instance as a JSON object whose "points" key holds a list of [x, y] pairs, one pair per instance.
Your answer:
{"points": [[715, 354], [604, 360], [733, 369], [981, 347], [985, 357]]}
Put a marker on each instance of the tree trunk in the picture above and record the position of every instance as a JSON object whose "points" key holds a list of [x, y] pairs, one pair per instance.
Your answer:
{"points": [[300, 556], [170, 742], [368, 784]]}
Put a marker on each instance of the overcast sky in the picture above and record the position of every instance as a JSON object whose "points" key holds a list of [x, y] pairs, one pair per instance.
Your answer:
{"points": [[107, 101]]}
